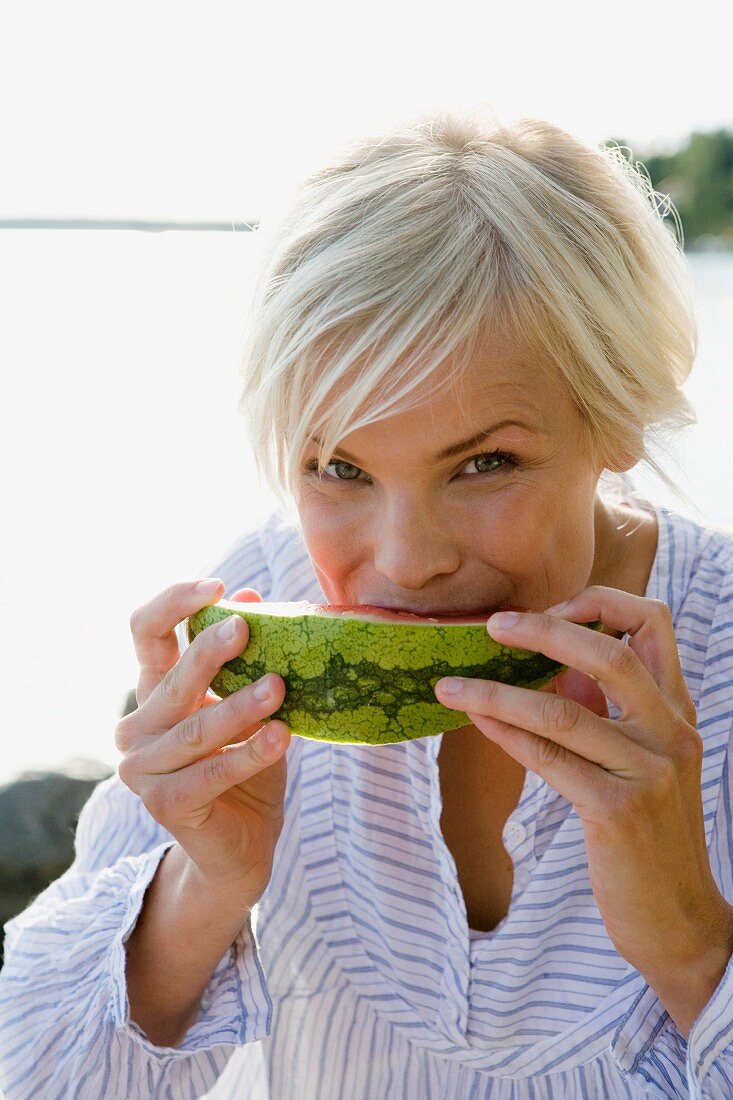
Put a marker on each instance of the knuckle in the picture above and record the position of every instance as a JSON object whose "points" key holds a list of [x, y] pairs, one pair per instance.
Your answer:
{"points": [[661, 610], [127, 731], [689, 745], [489, 690], [156, 802], [550, 753], [257, 751], [170, 686], [190, 732], [686, 710], [127, 770], [560, 715], [216, 768], [122, 736], [167, 798], [621, 659], [690, 715], [204, 649]]}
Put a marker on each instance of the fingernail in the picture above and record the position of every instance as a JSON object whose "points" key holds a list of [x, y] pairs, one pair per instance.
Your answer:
{"points": [[208, 587], [262, 690], [450, 686], [503, 620], [228, 628], [557, 607]]}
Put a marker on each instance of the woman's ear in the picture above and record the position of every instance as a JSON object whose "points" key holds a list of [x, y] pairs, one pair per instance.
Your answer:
{"points": [[627, 453], [621, 454]]}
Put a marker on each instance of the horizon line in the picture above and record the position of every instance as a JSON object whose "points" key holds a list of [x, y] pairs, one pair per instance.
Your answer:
{"points": [[144, 224]]}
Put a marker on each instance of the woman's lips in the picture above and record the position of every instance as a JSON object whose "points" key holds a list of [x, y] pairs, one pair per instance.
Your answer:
{"points": [[452, 612]]}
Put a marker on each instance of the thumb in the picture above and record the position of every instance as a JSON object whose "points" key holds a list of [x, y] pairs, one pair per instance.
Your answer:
{"points": [[583, 689]]}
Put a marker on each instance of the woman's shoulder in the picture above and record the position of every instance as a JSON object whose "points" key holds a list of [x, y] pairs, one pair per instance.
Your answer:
{"points": [[693, 575], [692, 571], [697, 544], [685, 544]]}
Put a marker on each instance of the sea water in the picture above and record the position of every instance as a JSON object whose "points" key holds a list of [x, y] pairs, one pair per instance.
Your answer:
{"points": [[126, 468]]}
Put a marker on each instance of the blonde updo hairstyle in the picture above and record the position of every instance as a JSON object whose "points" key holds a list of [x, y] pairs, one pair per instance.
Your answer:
{"points": [[410, 243]]}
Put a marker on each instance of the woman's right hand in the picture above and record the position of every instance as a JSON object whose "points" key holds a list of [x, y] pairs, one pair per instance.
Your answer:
{"points": [[205, 767]]}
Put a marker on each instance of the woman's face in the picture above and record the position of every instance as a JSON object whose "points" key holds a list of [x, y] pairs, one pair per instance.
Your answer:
{"points": [[512, 519]]}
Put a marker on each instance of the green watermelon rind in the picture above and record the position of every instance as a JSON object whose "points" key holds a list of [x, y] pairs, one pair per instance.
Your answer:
{"points": [[351, 681]]}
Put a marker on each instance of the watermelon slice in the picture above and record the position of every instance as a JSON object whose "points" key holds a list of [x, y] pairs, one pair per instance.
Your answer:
{"points": [[363, 674]]}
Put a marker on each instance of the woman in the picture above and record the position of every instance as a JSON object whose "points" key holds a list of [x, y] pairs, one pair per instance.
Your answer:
{"points": [[463, 335]]}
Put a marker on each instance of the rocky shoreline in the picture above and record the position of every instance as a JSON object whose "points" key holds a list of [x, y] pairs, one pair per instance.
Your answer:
{"points": [[39, 812]]}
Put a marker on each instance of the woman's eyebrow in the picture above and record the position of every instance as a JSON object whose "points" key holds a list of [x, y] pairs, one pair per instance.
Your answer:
{"points": [[455, 448]]}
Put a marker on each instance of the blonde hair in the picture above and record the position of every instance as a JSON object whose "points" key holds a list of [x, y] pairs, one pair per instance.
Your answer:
{"points": [[412, 241]]}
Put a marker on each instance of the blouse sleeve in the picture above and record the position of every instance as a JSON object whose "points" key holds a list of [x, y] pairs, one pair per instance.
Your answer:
{"points": [[649, 1048], [65, 1027]]}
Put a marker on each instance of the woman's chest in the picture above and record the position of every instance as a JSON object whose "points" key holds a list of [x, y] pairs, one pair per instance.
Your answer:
{"points": [[480, 786]]}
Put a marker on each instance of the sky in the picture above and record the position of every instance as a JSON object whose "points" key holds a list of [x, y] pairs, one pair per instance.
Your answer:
{"points": [[186, 110]]}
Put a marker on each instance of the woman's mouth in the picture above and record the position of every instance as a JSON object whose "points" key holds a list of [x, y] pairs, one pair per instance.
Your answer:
{"points": [[443, 613]]}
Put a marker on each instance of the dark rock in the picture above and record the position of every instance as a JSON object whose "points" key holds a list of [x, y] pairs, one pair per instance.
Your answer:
{"points": [[38, 818]]}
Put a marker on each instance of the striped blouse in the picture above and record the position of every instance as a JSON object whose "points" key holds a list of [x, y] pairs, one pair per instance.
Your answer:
{"points": [[357, 976]]}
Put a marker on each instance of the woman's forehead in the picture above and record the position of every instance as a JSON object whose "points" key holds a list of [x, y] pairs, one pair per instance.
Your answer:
{"points": [[500, 385]]}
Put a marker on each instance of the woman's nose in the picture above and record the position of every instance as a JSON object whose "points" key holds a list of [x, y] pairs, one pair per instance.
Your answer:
{"points": [[411, 545]]}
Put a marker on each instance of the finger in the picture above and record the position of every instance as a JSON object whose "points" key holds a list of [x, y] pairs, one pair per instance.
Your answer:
{"points": [[238, 762], [551, 717], [620, 674], [184, 687], [650, 628], [153, 629], [205, 731], [583, 783], [242, 595], [197, 785]]}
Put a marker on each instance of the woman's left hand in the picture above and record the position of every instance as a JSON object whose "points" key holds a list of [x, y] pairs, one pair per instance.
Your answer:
{"points": [[635, 782]]}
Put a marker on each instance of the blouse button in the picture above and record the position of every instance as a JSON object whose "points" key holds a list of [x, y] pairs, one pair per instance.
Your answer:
{"points": [[514, 834]]}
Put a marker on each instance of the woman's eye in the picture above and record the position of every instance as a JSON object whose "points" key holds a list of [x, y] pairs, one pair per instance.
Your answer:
{"points": [[339, 467], [487, 461], [493, 462]]}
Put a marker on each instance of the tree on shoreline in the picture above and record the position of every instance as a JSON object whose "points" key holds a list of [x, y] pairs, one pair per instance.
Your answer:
{"points": [[698, 178]]}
